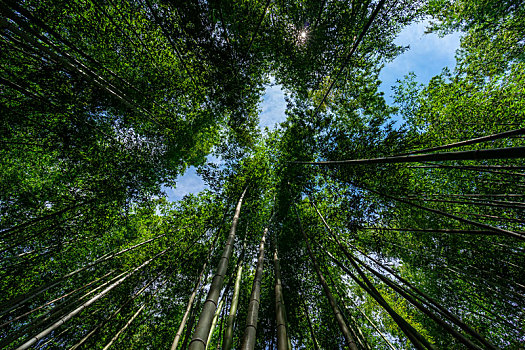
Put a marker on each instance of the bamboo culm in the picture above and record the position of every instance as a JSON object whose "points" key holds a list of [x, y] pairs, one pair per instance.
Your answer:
{"points": [[200, 336], [350, 342], [228, 331], [75, 312], [253, 307], [280, 311], [192, 297]]}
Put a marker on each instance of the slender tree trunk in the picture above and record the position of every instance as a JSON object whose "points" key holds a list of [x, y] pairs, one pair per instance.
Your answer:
{"points": [[427, 312], [356, 43], [445, 214], [484, 195], [158, 288], [412, 334], [354, 327], [200, 336], [43, 218], [100, 325], [56, 299], [509, 205], [191, 322], [253, 308], [173, 45], [430, 300], [350, 342], [280, 312], [55, 313], [471, 168], [446, 231], [123, 329], [220, 339], [374, 326]]}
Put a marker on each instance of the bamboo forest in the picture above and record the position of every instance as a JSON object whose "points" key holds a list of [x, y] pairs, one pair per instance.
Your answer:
{"points": [[360, 221]]}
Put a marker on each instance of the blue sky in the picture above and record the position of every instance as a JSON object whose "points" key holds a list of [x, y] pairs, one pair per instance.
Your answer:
{"points": [[427, 56]]}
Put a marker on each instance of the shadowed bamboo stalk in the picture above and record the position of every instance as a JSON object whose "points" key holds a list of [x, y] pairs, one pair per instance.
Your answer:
{"points": [[215, 319], [348, 317], [469, 142], [412, 334], [123, 329], [54, 313], [310, 326], [355, 45], [172, 43], [353, 260], [100, 325], [373, 325], [56, 299], [441, 309], [56, 282], [445, 214], [497, 153], [158, 288]]}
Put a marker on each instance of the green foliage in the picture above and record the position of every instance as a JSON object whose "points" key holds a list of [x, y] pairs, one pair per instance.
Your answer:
{"points": [[102, 103]]}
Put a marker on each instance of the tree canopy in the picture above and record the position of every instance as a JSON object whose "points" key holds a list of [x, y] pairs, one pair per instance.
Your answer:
{"points": [[353, 224]]}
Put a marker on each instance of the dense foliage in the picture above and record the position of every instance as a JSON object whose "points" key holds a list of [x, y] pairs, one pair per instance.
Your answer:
{"points": [[337, 229]]}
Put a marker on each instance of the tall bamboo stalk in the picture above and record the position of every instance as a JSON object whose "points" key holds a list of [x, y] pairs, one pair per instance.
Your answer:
{"points": [[215, 319], [228, 331], [496, 153], [192, 297], [75, 312], [253, 308], [280, 311], [350, 342], [200, 336]]}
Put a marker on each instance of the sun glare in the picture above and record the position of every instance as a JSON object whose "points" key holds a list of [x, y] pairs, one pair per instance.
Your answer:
{"points": [[302, 37]]}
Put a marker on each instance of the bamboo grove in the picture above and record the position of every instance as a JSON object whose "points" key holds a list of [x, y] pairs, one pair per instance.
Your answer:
{"points": [[339, 228]]}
